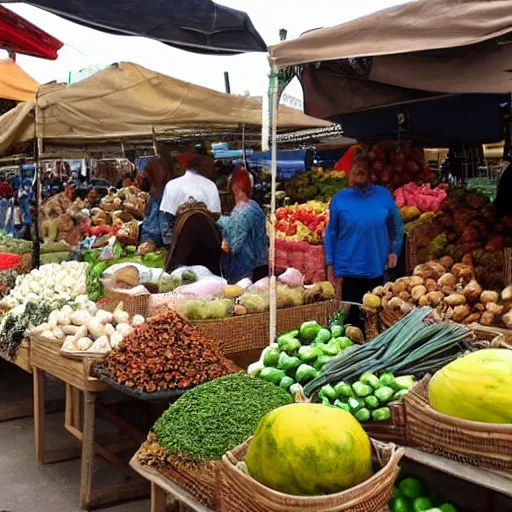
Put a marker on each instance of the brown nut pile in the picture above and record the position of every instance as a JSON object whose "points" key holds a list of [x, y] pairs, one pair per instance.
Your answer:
{"points": [[166, 353]]}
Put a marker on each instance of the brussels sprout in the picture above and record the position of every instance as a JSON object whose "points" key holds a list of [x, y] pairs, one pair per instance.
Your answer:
{"points": [[309, 353], [288, 343], [387, 379], [286, 382], [323, 336], [322, 361], [337, 331], [405, 382], [309, 330], [370, 379], [305, 372], [344, 342], [362, 414], [286, 362], [381, 414], [272, 375], [343, 390], [330, 349], [342, 405], [372, 402], [384, 394], [361, 389], [270, 356], [328, 392]]}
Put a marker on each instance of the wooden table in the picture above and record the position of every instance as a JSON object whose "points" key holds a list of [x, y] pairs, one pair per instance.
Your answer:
{"points": [[45, 359], [495, 480], [161, 487]]}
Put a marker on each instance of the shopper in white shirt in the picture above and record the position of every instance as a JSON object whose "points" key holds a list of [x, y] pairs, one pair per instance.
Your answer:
{"points": [[197, 185]]}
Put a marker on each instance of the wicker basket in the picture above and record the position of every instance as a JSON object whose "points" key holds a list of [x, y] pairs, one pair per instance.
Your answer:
{"points": [[480, 444], [238, 492], [388, 318], [199, 479], [133, 304], [507, 265], [370, 317], [393, 430], [251, 332]]}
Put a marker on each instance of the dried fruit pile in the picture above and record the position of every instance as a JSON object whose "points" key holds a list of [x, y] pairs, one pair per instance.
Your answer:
{"points": [[165, 354]]}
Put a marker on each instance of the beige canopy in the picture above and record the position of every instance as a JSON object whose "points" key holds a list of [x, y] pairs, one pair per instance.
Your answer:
{"points": [[420, 50], [128, 101], [414, 27]]}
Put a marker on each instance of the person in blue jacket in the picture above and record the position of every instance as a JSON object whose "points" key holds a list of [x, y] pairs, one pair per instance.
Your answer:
{"points": [[364, 235]]}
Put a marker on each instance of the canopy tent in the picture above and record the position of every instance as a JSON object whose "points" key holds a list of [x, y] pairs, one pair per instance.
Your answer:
{"points": [[128, 101], [420, 50], [15, 84], [200, 26], [19, 36]]}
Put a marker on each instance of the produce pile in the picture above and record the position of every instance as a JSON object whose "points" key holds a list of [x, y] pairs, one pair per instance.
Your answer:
{"points": [[457, 389], [296, 450], [214, 417], [302, 222], [297, 357], [417, 344], [210, 299], [467, 229], [395, 165], [50, 283], [118, 214], [164, 354], [412, 495], [449, 288], [17, 322], [316, 184], [11, 245], [369, 396], [83, 328], [114, 254]]}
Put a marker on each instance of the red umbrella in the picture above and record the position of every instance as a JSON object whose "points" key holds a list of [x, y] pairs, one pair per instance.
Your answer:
{"points": [[20, 36]]}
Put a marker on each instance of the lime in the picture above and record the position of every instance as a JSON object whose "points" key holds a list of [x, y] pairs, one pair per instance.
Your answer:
{"points": [[447, 507], [402, 505], [411, 488], [421, 504]]}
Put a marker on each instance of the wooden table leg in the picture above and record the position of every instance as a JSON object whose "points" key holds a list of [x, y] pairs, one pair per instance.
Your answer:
{"points": [[158, 499], [39, 414], [87, 449]]}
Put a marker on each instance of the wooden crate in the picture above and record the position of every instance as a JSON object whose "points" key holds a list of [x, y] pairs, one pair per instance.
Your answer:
{"points": [[44, 355], [22, 358]]}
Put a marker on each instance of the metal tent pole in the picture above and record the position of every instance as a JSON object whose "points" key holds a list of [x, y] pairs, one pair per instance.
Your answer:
{"points": [[274, 106]]}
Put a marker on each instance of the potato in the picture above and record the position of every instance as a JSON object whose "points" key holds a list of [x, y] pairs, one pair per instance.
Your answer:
{"points": [[416, 281], [418, 291], [455, 299]]}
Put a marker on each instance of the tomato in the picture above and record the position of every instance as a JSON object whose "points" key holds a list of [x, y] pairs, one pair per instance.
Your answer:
{"points": [[291, 230], [281, 213]]}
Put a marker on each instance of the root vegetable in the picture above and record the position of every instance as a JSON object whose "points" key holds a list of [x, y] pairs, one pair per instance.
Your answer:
{"points": [[507, 319], [109, 330], [398, 287], [487, 318], [489, 296], [83, 344], [418, 292], [121, 317], [104, 317], [378, 290], [434, 298], [472, 291], [473, 318], [138, 320], [124, 329], [447, 280], [431, 285], [416, 281], [395, 303], [95, 328], [506, 293], [385, 300], [463, 272], [405, 296], [455, 299], [423, 301], [493, 308], [70, 330], [406, 307], [460, 313]]}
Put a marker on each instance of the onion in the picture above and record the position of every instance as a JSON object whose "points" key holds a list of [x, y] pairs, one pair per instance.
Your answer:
{"points": [[506, 293], [472, 291]]}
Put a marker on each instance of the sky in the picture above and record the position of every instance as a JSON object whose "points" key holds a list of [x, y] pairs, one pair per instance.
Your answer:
{"points": [[248, 73]]}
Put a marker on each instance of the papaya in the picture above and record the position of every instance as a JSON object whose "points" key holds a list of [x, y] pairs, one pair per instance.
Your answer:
{"points": [[308, 449], [475, 387]]}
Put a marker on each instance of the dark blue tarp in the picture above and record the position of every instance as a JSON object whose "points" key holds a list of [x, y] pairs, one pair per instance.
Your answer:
{"points": [[200, 26], [468, 118]]}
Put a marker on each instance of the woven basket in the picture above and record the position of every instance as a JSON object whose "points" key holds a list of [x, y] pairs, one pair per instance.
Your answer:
{"points": [[370, 317], [393, 430], [507, 266], [388, 318], [251, 332], [480, 444], [199, 479], [238, 492], [133, 304]]}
